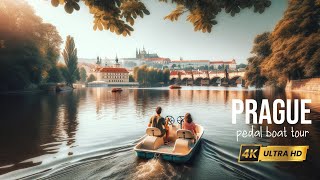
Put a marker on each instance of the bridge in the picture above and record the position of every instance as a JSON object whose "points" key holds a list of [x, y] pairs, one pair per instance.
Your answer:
{"points": [[205, 77]]}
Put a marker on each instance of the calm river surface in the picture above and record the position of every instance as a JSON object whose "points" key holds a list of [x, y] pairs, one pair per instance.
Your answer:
{"points": [[90, 134]]}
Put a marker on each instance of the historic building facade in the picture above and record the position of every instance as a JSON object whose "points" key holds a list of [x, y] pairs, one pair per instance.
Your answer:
{"points": [[115, 74], [232, 64], [181, 64]]}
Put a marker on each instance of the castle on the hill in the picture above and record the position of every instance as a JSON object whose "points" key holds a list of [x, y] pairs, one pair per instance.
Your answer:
{"points": [[143, 54]]}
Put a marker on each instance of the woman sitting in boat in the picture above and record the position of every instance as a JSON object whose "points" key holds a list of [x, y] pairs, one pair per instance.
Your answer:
{"points": [[188, 124], [159, 122]]}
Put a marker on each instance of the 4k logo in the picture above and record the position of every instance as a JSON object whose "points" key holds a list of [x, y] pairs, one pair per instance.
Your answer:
{"points": [[249, 153]]}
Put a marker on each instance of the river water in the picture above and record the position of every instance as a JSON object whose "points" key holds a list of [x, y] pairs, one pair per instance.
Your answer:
{"points": [[90, 134]]}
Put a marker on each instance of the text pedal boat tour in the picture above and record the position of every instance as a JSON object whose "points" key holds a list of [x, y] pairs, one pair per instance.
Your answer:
{"points": [[181, 146]]}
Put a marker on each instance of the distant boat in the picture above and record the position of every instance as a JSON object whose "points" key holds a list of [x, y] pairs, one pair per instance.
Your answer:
{"points": [[63, 87], [175, 87], [116, 90]]}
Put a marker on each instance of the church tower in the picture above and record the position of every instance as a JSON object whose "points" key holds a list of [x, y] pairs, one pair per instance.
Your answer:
{"points": [[136, 53], [117, 65]]}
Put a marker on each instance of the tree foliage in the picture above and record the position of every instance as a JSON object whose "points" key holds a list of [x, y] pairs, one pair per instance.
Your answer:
{"points": [[71, 71], [292, 50], [30, 48], [83, 75], [54, 75], [91, 78], [261, 49], [119, 15], [150, 76]]}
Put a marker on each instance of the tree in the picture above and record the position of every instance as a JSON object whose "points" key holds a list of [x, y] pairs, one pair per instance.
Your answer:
{"points": [[221, 67], [119, 16], [83, 75], [150, 76], [131, 79], [241, 66], [166, 76], [30, 48], [91, 78], [261, 49], [292, 50], [54, 75], [165, 67], [295, 44], [71, 71]]}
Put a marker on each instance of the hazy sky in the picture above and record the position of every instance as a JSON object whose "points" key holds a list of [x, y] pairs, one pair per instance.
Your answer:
{"points": [[232, 37]]}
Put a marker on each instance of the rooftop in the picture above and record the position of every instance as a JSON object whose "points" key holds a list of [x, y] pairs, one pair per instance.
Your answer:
{"points": [[113, 70], [224, 62], [186, 61]]}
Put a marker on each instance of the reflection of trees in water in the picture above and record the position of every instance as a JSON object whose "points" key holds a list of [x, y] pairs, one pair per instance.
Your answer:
{"points": [[149, 99], [107, 100], [71, 112], [20, 135], [30, 121]]}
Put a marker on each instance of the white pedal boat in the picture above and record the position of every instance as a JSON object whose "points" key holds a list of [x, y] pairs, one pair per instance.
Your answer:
{"points": [[181, 144]]}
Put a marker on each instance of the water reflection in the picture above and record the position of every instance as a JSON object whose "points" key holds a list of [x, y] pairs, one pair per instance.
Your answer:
{"points": [[35, 125], [99, 129]]}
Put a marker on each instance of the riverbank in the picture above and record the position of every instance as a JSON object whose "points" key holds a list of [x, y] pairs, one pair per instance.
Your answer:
{"points": [[312, 84], [48, 87]]}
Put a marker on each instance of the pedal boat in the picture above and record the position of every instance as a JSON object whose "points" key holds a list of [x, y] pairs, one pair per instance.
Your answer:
{"points": [[116, 90], [180, 148]]}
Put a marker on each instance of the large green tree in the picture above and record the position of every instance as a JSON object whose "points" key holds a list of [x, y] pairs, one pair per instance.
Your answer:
{"points": [[119, 15], [295, 44], [71, 71], [150, 76], [292, 49], [261, 50], [30, 48], [83, 75]]}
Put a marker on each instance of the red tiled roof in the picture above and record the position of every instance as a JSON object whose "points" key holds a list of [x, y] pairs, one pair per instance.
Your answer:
{"points": [[185, 61], [113, 70], [223, 62], [172, 73], [157, 59]]}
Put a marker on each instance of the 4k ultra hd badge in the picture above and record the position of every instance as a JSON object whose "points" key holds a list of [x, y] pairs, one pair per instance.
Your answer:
{"points": [[256, 153], [249, 153]]}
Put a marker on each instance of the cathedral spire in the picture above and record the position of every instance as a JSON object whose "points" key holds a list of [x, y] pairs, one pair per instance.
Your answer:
{"points": [[117, 61]]}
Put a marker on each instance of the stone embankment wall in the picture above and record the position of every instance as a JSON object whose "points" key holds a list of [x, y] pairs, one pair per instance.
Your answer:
{"points": [[312, 84]]}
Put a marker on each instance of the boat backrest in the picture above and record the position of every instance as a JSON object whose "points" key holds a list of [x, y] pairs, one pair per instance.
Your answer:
{"points": [[152, 131], [185, 134]]}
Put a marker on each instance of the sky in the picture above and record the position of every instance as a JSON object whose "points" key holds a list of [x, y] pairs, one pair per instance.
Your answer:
{"points": [[231, 38]]}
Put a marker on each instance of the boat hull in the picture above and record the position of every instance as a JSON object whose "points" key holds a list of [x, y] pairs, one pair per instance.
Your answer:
{"points": [[168, 157]]}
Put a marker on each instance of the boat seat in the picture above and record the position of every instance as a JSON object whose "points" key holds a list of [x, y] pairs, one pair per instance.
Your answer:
{"points": [[184, 142], [152, 131], [154, 140], [185, 134], [182, 146]]}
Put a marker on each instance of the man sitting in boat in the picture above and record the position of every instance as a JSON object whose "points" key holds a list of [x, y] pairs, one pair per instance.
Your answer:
{"points": [[188, 124], [159, 122]]}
